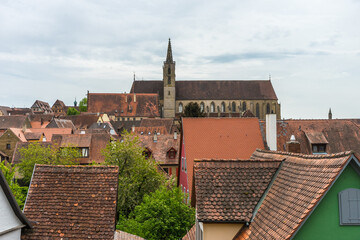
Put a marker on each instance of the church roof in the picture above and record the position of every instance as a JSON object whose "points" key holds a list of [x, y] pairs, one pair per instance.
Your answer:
{"points": [[212, 89]]}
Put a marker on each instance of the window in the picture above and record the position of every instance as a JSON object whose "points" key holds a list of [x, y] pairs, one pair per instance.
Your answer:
{"points": [[84, 152], [169, 70], [257, 110], [168, 92], [222, 107], [202, 107], [349, 206], [244, 106], [147, 153], [8, 146], [212, 107], [268, 108], [182, 163], [169, 80], [233, 107], [171, 153], [180, 108], [185, 169], [318, 148]]}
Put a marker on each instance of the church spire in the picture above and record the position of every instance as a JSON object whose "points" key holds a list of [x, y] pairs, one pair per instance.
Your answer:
{"points": [[169, 58], [330, 114]]}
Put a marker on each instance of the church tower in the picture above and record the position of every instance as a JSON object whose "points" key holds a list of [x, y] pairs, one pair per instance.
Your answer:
{"points": [[169, 84]]}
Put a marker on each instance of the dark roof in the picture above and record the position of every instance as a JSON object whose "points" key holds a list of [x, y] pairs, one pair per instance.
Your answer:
{"points": [[212, 90], [72, 202], [19, 111], [17, 121], [82, 121], [124, 105], [158, 122], [341, 134], [11, 199], [4, 110], [229, 190], [300, 184], [61, 123], [32, 135], [120, 126]]}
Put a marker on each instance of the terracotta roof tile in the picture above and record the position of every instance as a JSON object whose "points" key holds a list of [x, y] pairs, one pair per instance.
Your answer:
{"points": [[219, 138], [82, 121], [124, 105], [283, 211], [190, 235], [49, 132], [72, 202], [17, 121], [158, 122], [229, 190], [120, 235]]}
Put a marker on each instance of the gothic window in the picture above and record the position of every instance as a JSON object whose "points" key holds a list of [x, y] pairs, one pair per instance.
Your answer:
{"points": [[202, 107], [233, 107], [169, 71], [349, 205], [222, 107], [257, 110], [212, 107], [180, 108], [268, 108], [169, 80], [244, 106]]}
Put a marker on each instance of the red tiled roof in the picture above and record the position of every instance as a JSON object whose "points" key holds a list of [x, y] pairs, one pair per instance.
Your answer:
{"points": [[124, 105], [159, 149], [82, 121], [158, 122], [18, 121], [49, 132], [219, 138], [301, 182], [72, 202], [229, 190], [341, 134], [211, 90], [190, 235], [120, 235]]}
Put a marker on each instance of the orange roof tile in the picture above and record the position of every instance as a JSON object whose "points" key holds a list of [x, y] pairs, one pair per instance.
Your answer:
{"points": [[219, 138], [49, 132]]}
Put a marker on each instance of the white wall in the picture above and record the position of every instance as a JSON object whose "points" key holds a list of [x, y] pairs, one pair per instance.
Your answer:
{"points": [[8, 219]]}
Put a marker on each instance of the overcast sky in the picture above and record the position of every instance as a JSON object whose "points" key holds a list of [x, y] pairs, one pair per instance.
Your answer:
{"points": [[60, 49]]}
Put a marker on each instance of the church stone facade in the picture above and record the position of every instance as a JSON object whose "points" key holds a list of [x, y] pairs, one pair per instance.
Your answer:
{"points": [[215, 97]]}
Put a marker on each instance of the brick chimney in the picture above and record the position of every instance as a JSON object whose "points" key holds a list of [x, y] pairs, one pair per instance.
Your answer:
{"points": [[293, 145], [271, 134]]}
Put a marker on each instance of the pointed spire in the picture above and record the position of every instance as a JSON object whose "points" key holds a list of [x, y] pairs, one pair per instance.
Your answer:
{"points": [[169, 58], [330, 114]]}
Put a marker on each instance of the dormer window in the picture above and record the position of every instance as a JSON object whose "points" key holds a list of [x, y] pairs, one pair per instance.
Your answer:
{"points": [[172, 153], [147, 153], [84, 152], [318, 148], [317, 141]]}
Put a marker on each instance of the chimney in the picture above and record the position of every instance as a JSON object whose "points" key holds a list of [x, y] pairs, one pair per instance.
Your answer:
{"points": [[155, 137], [133, 128], [271, 131], [125, 98], [293, 146], [175, 135], [134, 97]]}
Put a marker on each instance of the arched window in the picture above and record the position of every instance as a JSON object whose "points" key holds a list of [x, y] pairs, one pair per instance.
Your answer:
{"points": [[268, 108], [180, 108], [257, 110], [202, 107], [169, 80], [233, 107], [169, 71], [222, 107], [212, 107], [244, 106]]}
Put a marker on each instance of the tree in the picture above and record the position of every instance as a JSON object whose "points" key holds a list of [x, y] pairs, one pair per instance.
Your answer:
{"points": [[72, 111], [193, 109], [83, 105], [51, 154], [137, 175], [161, 215], [18, 191]]}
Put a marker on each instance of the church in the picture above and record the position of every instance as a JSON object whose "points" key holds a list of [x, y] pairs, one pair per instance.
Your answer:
{"points": [[216, 98]]}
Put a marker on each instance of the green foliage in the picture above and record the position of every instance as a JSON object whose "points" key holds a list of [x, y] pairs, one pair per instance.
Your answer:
{"points": [[161, 215], [52, 155], [193, 109], [72, 111], [83, 105], [18, 192], [137, 175]]}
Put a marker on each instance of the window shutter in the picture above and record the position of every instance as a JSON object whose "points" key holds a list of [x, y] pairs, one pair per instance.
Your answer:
{"points": [[349, 206]]}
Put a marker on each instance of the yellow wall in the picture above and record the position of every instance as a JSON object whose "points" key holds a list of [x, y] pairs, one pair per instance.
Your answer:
{"points": [[223, 231]]}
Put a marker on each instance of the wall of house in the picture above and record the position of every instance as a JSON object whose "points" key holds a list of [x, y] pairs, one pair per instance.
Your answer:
{"points": [[8, 219], [324, 222], [250, 105], [223, 231], [14, 235], [8, 138]]}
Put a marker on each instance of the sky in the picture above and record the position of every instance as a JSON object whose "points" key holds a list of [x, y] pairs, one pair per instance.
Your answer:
{"points": [[60, 49]]}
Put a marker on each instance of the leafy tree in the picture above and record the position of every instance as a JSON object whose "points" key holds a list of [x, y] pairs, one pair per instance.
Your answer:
{"points": [[193, 109], [72, 111], [137, 175], [51, 154], [83, 105], [18, 191], [161, 215]]}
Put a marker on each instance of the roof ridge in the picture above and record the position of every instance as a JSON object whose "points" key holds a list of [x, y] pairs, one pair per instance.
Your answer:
{"points": [[309, 156], [77, 166], [235, 160]]}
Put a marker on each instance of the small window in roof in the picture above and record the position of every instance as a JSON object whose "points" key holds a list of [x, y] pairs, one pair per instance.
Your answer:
{"points": [[349, 206]]}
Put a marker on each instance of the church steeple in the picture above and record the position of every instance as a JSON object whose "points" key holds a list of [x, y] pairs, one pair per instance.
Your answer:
{"points": [[169, 58], [330, 114]]}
